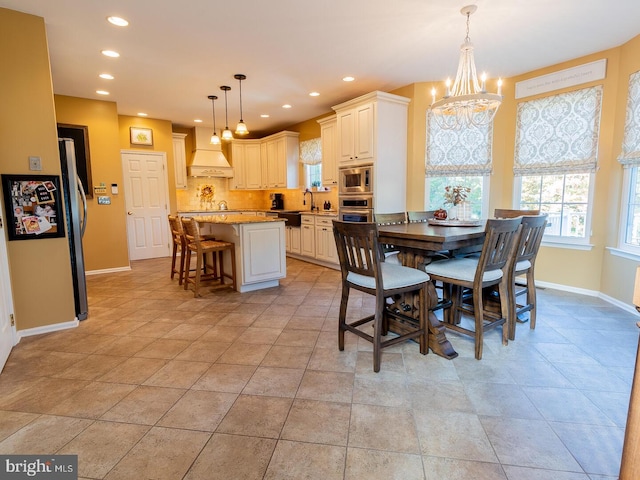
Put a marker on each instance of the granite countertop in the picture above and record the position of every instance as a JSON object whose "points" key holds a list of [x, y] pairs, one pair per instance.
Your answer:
{"points": [[235, 219]]}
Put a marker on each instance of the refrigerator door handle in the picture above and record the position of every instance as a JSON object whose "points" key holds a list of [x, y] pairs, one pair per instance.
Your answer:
{"points": [[83, 196]]}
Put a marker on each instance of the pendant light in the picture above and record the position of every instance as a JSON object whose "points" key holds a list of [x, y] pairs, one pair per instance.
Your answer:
{"points": [[241, 128], [215, 139], [226, 133]]}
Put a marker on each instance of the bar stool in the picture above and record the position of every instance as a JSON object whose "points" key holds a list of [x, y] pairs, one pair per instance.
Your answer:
{"points": [[201, 247], [179, 244]]}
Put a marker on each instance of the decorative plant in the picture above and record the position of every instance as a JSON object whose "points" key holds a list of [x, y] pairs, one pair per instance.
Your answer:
{"points": [[455, 195], [316, 183]]}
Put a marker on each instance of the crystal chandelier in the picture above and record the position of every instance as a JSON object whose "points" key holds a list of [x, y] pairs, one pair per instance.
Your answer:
{"points": [[467, 102]]}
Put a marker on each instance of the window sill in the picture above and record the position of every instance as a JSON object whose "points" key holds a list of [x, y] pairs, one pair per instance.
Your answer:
{"points": [[624, 254], [568, 245]]}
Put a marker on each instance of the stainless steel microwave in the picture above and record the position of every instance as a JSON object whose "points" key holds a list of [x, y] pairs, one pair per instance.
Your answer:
{"points": [[356, 179]]}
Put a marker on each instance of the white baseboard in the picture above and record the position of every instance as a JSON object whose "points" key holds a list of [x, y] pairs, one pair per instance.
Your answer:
{"points": [[590, 293], [28, 332], [108, 270]]}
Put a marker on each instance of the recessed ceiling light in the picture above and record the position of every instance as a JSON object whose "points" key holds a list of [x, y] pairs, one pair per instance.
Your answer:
{"points": [[197, 120], [314, 94], [142, 114], [102, 92], [117, 21], [286, 105], [264, 115], [110, 53], [348, 79], [106, 76]]}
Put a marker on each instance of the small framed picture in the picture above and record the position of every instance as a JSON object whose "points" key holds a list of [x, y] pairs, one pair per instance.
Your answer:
{"points": [[141, 136]]}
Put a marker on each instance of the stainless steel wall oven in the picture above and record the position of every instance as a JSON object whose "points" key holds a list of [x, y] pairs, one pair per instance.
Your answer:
{"points": [[356, 208]]}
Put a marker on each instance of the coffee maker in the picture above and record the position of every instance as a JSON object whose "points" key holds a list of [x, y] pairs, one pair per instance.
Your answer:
{"points": [[277, 202]]}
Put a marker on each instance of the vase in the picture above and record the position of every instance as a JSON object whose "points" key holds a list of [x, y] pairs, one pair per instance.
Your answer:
{"points": [[452, 214]]}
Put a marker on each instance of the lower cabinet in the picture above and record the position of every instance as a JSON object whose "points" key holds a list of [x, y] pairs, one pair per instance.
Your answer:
{"points": [[308, 239], [292, 239], [316, 240], [325, 242]]}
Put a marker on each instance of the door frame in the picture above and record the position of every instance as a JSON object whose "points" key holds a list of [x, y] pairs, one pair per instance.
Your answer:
{"points": [[163, 157], [6, 309]]}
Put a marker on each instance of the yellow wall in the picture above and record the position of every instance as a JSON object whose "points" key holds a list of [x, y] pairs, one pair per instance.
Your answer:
{"points": [[105, 240], [40, 269]]}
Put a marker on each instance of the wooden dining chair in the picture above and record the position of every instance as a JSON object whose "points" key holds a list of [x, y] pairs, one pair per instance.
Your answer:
{"points": [[474, 274], [390, 251], [204, 271], [364, 269], [505, 213], [420, 216]]}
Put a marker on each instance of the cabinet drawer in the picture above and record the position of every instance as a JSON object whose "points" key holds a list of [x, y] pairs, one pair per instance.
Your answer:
{"points": [[307, 219], [325, 221]]}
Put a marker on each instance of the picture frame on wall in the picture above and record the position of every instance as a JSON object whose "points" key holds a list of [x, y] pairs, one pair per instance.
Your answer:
{"points": [[33, 206], [141, 136]]}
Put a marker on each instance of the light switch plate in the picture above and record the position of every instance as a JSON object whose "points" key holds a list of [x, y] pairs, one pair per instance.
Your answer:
{"points": [[35, 163]]}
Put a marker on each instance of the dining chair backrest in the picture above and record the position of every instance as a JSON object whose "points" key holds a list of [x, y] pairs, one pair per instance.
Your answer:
{"points": [[506, 213], [420, 217], [191, 230], [501, 237], [530, 238], [358, 249], [176, 229], [390, 218]]}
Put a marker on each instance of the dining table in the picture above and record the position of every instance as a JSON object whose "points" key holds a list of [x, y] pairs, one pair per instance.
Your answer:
{"points": [[420, 243]]}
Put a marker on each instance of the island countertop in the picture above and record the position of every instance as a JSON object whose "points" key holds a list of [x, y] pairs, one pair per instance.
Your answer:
{"points": [[235, 219]]}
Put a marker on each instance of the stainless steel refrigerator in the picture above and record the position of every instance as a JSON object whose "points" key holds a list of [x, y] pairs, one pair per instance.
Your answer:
{"points": [[75, 202]]}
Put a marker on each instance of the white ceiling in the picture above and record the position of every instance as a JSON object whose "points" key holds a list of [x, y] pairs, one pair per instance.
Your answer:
{"points": [[174, 54]]}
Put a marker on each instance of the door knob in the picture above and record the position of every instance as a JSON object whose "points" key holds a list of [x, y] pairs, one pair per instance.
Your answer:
{"points": [[129, 213]]}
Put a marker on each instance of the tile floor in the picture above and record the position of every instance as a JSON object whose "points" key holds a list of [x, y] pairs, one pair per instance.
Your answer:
{"points": [[157, 384]]}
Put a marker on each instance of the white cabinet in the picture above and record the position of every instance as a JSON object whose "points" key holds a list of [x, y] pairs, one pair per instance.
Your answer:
{"points": [[293, 236], [328, 135], [245, 155], [356, 132], [325, 242], [180, 159], [372, 129], [307, 236], [282, 150]]}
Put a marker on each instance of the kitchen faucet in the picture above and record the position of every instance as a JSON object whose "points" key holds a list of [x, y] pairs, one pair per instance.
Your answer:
{"points": [[304, 197]]}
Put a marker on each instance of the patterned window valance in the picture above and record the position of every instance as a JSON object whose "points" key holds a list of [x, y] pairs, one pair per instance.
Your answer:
{"points": [[558, 134], [458, 152], [311, 152], [630, 156]]}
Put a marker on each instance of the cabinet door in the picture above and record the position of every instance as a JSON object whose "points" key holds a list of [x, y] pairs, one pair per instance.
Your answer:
{"points": [[325, 244], [321, 247], [307, 240], [180, 160], [346, 123], [294, 240], [237, 157], [272, 164], [252, 165], [328, 133], [364, 131]]}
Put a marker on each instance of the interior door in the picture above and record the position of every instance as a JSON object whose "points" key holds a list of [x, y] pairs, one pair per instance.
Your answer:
{"points": [[7, 334], [146, 197]]}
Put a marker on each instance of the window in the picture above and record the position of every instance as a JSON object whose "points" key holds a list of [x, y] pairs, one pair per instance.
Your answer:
{"points": [[458, 157], [311, 158], [629, 238], [555, 159]]}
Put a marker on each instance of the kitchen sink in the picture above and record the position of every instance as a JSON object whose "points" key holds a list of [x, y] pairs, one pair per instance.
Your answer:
{"points": [[292, 217]]}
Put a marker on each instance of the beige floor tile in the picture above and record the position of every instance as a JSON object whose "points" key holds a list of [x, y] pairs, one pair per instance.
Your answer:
{"points": [[91, 367], [163, 348], [173, 451], [383, 428], [133, 370], [227, 457], [203, 351], [223, 333], [93, 400], [187, 332], [198, 410], [178, 374], [287, 357], [234, 319], [244, 354], [154, 329], [256, 416], [121, 327], [145, 405], [333, 360], [294, 460], [298, 338], [260, 335], [11, 422], [221, 377], [318, 422], [46, 433], [102, 445], [45, 394], [326, 386], [387, 390], [378, 465], [46, 364], [126, 346], [306, 323], [274, 381], [437, 468], [174, 316], [271, 321]]}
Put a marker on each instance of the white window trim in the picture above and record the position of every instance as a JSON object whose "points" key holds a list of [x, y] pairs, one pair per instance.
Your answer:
{"points": [[486, 183], [558, 240], [624, 211]]}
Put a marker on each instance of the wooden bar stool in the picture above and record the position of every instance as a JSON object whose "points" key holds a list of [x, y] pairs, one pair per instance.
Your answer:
{"points": [[204, 271]]}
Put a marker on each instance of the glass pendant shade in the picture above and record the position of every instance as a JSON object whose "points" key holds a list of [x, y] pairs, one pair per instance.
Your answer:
{"points": [[215, 140], [241, 128], [226, 133]]}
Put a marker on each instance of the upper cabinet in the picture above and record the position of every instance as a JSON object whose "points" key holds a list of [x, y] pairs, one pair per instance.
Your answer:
{"points": [[271, 162], [180, 159], [356, 138], [329, 135]]}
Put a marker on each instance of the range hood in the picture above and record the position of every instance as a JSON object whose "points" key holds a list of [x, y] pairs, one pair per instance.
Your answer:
{"points": [[208, 160]]}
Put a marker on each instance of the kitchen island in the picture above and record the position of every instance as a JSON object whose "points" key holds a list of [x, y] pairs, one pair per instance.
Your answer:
{"points": [[259, 247]]}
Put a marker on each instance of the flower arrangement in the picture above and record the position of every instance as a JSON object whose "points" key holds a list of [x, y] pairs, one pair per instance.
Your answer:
{"points": [[455, 194], [206, 193]]}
